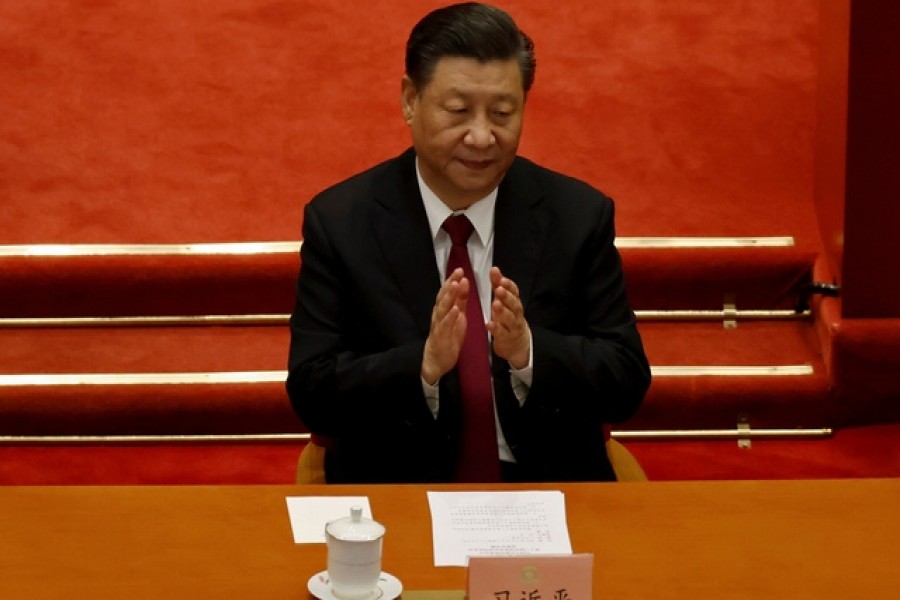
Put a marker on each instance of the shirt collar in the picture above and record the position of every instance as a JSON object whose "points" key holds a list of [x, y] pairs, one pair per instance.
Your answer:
{"points": [[481, 213]]}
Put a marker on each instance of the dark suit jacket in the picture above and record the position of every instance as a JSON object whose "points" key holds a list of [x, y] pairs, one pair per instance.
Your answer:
{"points": [[368, 282]]}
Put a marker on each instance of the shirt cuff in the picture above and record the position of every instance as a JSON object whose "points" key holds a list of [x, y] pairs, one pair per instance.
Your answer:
{"points": [[521, 379], [431, 396]]}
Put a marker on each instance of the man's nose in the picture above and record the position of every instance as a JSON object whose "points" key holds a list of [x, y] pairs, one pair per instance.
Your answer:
{"points": [[480, 133]]}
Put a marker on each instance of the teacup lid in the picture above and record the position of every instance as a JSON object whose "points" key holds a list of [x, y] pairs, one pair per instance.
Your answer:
{"points": [[355, 527]]}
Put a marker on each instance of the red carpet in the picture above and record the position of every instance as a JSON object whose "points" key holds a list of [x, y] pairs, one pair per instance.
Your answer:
{"points": [[872, 451], [133, 464], [858, 452]]}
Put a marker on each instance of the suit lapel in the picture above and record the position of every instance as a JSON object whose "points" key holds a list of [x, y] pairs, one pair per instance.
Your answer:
{"points": [[520, 234], [401, 229], [520, 228]]}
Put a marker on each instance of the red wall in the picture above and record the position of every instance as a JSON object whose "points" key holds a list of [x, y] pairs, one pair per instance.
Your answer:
{"points": [[857, 182], [871, 265], [175, 121], [831, 126]]}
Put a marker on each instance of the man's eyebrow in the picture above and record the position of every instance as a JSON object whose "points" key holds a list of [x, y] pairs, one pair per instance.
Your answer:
{"points": [[456, 92]]}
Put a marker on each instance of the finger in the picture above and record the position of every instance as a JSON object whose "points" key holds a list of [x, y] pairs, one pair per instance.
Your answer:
{"points": [[498, 281], [456, 274], [455, 287], [502, 318], [509, 301], [495, 276], [508, 285]]}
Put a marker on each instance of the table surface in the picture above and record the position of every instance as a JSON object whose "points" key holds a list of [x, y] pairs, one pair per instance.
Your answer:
{"points": [[724, 539]]}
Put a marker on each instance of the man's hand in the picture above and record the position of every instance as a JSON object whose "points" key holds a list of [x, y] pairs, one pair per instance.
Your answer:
{"points": [[507, 325], [448, 327]]}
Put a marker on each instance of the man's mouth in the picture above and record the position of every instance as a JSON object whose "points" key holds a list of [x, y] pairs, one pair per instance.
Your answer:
{"points": [[476, 164]]}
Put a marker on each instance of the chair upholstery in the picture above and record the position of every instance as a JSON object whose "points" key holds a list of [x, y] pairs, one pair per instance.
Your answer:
{"points": [[624, 463], [311, 464]]}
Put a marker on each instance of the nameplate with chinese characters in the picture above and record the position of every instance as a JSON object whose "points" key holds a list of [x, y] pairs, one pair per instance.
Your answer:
{"points": [[536, 577]]}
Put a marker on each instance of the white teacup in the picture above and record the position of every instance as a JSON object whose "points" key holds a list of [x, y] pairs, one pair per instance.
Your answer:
{"points": [[354, 555]]}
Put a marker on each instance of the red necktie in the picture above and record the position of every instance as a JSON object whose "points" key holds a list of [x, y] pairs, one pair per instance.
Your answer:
{"points": [[478, 458]]}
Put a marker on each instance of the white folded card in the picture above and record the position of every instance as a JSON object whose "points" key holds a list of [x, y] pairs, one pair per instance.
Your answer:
{"points": [[309, 514]]}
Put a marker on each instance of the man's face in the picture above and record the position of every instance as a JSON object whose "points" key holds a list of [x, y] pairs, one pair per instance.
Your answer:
{"points": [[465, 124]]}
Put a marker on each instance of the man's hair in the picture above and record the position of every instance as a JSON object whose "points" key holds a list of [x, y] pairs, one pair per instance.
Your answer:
{"points": [[467, 30]]}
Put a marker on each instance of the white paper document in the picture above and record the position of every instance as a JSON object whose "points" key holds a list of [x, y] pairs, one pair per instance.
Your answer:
{"points": [[309, 514], [467, 524]]}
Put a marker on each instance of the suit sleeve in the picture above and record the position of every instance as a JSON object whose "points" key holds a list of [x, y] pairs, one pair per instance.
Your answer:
{"points": [[589, 361], [339, 363]]}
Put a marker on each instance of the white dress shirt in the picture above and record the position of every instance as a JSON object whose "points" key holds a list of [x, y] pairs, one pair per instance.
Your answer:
{"points": [[481, 254]]}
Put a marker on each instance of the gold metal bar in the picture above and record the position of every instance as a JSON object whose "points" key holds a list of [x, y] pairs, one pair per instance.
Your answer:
{"points": [[60, 379], [722, 315], [145, 321], [278, 376], [634, 435], [282, 319], [292, 247], [215, 249], [705, 242], [731, 371], [727, 434], [155, 439]]}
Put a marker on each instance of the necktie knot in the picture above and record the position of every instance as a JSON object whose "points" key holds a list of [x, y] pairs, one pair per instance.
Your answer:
{"points": [[459, 227]]}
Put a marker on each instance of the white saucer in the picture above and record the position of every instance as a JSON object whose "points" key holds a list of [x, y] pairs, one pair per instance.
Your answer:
{"points": [[389, 587]]}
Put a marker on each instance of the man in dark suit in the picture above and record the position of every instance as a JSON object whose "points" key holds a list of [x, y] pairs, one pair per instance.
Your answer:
{"points": [[378, 324]]}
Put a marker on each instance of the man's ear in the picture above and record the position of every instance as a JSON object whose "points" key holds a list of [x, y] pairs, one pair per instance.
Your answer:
{"points": [[408, 94]]}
